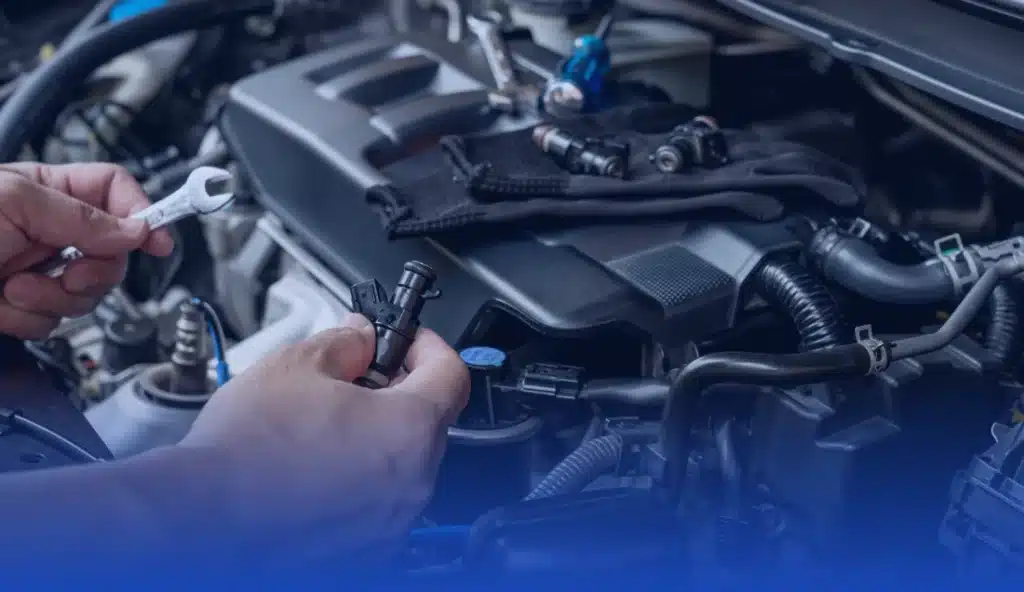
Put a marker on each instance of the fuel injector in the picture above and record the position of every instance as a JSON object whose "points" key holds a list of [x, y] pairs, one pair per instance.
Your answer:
{"points": [[697, 143], [600, 158], [395, 319]]}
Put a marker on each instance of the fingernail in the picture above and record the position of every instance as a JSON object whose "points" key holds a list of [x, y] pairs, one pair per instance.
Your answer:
{"points": [[360, 323]]}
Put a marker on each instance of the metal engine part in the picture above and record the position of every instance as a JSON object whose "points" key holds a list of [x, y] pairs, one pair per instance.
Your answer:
{"points": [[146, 413]]}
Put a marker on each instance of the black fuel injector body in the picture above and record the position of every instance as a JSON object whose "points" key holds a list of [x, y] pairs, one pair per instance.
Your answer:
{"points": [[396, 319], [588, 156], [697, 143]]}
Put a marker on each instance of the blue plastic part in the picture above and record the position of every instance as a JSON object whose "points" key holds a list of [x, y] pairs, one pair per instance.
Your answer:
{"points": [[129, 8], [483, 357], [586, 70]]}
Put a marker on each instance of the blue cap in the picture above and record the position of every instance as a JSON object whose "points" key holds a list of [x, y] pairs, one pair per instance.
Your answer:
{"points": [[483, 357], [129, 8]]}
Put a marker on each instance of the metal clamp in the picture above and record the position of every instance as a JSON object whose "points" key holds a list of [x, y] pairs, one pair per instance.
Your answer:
{"points": [[859, 228], [637, 437], [948, 253], [877, 349], [1012, 248]]}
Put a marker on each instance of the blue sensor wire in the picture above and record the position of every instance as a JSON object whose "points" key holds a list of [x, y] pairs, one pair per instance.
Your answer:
{"points": [[216, 330]]}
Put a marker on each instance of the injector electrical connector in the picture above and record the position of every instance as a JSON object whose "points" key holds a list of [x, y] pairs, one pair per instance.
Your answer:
{"points": [[601, 158], [697, 143], [396, 319]]}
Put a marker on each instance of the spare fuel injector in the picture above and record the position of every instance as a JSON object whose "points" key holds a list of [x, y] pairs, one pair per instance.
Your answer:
{"points": [[601, 158], [699, 142], [395, 319]]}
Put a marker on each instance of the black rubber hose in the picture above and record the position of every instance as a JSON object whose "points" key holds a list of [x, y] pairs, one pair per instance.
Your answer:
{"points": [[778, 370], [855, 265], [38, 100], [588, 462], [639, 392], [1003, 335], [789, 287]]}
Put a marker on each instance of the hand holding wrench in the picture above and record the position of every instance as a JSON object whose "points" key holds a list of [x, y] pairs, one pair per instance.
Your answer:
{"points": [[205, 191]]}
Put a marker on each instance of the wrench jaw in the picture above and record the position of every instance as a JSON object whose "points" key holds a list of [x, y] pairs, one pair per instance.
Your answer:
{"points": [[209, 189]]}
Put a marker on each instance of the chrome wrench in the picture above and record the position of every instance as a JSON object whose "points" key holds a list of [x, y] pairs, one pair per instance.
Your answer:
{"points": [[510, 94], [496, 52], [206, 190]]}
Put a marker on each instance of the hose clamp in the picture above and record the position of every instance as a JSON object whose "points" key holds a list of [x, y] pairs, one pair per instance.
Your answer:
{"points": [[878, 351], [950, 251], [637, 438], [859, 228]]}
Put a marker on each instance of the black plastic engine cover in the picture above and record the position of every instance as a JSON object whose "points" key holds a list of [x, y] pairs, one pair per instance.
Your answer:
{"points": [[314, 133]]}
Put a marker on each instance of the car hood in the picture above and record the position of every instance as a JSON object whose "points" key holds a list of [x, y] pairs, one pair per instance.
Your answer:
{"points": [[964, 51]]}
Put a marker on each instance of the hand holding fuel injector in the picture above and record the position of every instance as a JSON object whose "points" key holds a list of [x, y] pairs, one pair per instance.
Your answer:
{"points": [[290, 461], [335, 443]]}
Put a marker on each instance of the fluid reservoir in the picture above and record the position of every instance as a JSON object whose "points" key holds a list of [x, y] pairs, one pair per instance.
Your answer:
{"points": [[490, 447]]}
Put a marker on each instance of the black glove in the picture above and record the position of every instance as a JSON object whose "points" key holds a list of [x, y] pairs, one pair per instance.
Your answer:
{"points": [[471, 181]]}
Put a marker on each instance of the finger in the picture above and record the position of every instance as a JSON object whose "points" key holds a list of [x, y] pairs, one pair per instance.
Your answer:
{"points": [[108, 187], [38, 294], [105, 186], [437, 373], [53, 219], [94, 277], [26, 258], [403, 373], [159, 243], [25, 325], [344, 353]]}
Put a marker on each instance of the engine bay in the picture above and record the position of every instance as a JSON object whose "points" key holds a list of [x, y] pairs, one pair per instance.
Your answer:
{"points": [[828, 388]]}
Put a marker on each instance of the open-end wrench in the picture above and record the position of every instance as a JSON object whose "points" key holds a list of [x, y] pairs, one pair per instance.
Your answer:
{"points": [[496, 51], [206, 190], [510, 94]]}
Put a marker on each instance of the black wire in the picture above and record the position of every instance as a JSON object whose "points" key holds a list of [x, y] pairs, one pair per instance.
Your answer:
{"points": [[45, 435], [87, 103], [124, 133], [90, 123], [80, 111]]}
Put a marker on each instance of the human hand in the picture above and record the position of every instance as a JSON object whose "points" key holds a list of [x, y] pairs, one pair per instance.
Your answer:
{"points": [[314, 463], [45, 208]]}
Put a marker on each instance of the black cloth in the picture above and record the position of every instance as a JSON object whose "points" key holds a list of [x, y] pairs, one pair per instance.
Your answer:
{"points": [[503, 178]]}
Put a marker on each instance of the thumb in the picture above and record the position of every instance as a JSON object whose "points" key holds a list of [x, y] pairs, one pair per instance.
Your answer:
{"points": [[56, 220], [344, 353]]}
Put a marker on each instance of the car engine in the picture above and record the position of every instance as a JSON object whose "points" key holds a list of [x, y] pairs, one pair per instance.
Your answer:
{"points": [[826, 390]]}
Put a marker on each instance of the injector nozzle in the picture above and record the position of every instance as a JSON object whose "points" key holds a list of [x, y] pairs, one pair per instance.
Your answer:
{"points": [[395, 319]]}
